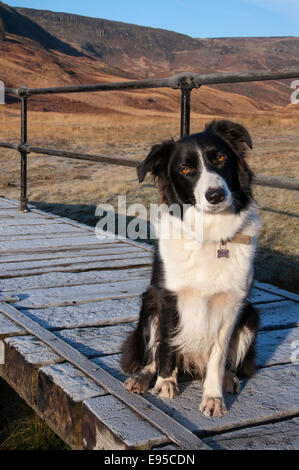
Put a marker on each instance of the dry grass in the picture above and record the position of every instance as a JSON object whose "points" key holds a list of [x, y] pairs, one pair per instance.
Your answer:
{"points": [[21, 428]]}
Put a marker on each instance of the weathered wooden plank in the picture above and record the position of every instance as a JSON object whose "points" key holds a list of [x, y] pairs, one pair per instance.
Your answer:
{"points": [[9, 212], [275, 347], [164, 448], [25, 230], [111, 363], [2, 355], [67, 261], [55, 296], [66, 234], [271, 394], [29, 220], [174, 431], [9, 328], [24, 355], [117, 263], [144, 246], [46, 215], [276, 315], [108, 424], [8, 298], [85, 252], [13, 202], [61, 390], [59, 279], [276, 290], [6, 202], [104, 313], [22, 245], [283, 435], [259, 296], [96, 341], [110, 235]]}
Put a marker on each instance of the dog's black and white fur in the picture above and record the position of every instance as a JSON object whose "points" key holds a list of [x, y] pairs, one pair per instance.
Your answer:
{"points": [[195, 316]]}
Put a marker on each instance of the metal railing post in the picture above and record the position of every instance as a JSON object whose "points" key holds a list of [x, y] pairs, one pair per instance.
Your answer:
{"points": [[23, 153], [185, 111]]}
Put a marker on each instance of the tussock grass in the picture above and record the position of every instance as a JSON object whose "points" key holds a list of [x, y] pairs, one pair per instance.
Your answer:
{"points": [[20, 428]]}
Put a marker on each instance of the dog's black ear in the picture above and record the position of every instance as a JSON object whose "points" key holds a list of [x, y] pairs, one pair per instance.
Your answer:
{"points": [[156, 161], [235, 134]]}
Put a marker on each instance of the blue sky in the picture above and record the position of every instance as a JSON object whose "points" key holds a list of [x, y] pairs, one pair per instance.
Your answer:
{"points": [[197, 18]]}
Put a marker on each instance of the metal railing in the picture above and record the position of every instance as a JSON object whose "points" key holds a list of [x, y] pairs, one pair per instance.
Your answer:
{"points": [[185, 82]]}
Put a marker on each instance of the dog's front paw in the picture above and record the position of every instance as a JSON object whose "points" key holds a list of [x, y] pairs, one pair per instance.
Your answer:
{"points": [[136, 385], [166, 388], [212, 406], [231, 383]]}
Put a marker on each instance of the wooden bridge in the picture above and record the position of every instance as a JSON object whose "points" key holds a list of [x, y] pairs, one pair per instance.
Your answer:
{"points": [[67, 301]]}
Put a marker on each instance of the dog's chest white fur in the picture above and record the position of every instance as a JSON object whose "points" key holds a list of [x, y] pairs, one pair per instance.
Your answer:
{"points": [[190, 264], [197, 276]]}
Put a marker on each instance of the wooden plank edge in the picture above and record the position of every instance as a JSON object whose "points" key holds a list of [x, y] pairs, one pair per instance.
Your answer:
{"points": [[59, 392], [276, 290], [108, 424], [252, 436], [149, 412]]}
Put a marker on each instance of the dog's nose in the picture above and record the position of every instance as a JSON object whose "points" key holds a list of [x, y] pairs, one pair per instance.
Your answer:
{"points": [[215, 195]]}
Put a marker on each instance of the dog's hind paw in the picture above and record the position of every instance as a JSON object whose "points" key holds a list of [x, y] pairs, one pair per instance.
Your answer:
{"points": [[212, 407]]}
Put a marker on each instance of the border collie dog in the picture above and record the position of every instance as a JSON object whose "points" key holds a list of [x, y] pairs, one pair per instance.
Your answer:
{"points": [[195, 317]]}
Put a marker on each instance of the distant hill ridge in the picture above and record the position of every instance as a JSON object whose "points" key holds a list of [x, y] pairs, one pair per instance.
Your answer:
{"points": [[16, 23], [45, 48], [149, 51]]}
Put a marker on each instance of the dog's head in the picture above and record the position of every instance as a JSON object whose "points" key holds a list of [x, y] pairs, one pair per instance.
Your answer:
{"points": [[207, 170]]}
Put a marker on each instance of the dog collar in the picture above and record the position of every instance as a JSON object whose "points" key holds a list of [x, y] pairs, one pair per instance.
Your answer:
{"points": [[242, 239], [223, 251]]}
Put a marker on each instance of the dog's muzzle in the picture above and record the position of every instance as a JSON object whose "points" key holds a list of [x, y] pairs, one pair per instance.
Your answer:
{"points": [[215, 195]]}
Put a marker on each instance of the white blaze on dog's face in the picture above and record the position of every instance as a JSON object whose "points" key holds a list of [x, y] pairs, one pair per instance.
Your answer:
{"points": [[211, 191], [206, 170]]}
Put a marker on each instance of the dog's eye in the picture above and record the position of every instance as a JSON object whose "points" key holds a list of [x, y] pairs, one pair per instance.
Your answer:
{"points": [[185, 170], [220, 158]]}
